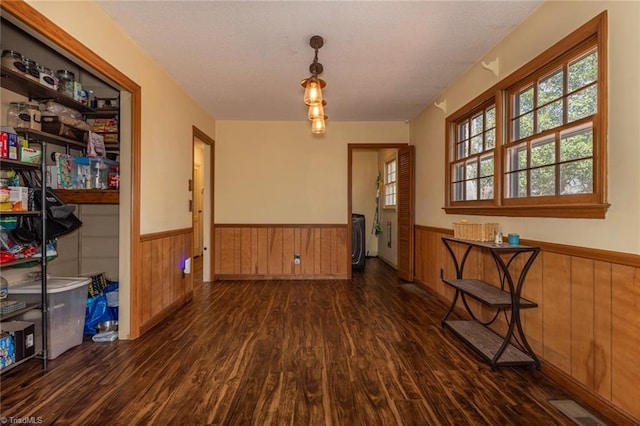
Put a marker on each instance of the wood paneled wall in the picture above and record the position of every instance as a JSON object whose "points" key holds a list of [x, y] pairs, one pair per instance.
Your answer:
{"points": [[267, 251], [586, 329], [164, 287]]}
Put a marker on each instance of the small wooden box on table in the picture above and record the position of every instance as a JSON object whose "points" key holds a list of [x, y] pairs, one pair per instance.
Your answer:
{"points": [[511, 349]]}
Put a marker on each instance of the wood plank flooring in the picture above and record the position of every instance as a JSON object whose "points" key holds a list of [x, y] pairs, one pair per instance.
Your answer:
{"points": [[333, 352]]}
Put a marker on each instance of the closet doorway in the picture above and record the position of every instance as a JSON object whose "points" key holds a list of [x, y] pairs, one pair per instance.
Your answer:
{"points": [[396, 226]]}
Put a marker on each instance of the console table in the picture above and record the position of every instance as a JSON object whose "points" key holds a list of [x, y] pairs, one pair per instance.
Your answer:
{"points": [[512, 349]]}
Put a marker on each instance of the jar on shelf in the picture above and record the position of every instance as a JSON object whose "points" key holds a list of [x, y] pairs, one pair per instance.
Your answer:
{"points": [[24, 114], [31, 70], [48, 78], [66, 82], [13, 60]]}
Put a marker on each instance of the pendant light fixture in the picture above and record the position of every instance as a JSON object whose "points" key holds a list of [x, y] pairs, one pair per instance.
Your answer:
{"points": [[313, 90], [318, 125], [316, 110]]}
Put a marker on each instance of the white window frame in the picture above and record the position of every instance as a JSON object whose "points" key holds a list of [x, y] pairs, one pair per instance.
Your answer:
{"points": [[391, 183]]}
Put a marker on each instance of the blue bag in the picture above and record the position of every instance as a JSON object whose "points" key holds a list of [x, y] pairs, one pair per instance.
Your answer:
{"points": [[97, 312]]}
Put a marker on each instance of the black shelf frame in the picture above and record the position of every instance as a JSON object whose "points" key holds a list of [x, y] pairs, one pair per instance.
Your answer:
{"points": [[43, 306], [511, 349]]}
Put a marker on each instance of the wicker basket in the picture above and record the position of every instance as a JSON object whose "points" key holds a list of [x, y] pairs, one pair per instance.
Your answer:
{"points": [[475, 231]]}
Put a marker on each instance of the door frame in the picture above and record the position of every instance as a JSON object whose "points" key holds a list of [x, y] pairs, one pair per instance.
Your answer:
{"points": [[208, 166], [130, 245], [351, 147]]}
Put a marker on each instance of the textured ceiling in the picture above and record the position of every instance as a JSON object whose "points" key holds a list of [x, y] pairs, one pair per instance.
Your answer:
{"points": [[383, 60]]}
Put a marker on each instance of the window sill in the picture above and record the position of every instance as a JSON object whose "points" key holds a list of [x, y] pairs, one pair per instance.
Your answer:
{"points": [[582, 211]]}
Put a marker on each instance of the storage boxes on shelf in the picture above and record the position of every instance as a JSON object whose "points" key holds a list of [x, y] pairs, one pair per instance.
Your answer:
{"points": [[56, 126], [475, 231], [23, 334], [66, 299], [14, 199], [7, 350], [92, 172]]}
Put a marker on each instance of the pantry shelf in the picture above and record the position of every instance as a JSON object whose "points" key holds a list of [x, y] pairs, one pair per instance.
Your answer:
{"points": [[18, 83], [89, 196]]}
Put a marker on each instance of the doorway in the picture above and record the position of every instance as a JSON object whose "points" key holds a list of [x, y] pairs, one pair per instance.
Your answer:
{"points": [[396, 230], [202, 206]]}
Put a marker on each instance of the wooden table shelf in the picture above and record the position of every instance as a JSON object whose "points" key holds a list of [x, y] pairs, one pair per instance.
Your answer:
{"points": [[488, 294], [512, 348]]}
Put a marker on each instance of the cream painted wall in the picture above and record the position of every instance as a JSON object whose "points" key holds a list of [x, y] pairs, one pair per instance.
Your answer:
{"points": [[364, 172], [620, 230], [278, 172], [168, 113]]}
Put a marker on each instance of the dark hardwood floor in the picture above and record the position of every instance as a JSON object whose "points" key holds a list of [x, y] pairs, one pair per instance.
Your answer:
{"points": [[364, 352]]}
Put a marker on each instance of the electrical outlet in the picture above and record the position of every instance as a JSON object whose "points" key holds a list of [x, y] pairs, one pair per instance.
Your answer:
{"points": [[296, 259]]}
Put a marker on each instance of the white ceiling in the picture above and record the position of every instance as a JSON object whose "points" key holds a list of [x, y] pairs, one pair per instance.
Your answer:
{"points": [[383, 60]]}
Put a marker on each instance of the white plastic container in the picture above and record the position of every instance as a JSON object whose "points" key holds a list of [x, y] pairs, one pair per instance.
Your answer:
{"points": [[67, 303]]}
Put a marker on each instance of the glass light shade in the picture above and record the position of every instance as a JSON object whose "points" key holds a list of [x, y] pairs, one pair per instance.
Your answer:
{"points": [[318, 126], [313, 92], [316, 111]]}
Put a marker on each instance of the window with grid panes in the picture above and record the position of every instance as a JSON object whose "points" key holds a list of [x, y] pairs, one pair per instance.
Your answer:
{"points": [[390, 183], [535, 143], [472, 171], [550, 149]]}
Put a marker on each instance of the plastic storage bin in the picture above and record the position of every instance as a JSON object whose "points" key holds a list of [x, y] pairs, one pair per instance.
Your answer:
{"points": [[67, 302]]}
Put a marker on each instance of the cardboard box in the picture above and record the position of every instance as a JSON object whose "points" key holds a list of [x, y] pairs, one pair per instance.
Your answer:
{"points": [[19, 198], [4, 145], [30, 155], [52, 177], [12, 146], [23, 333], [67, 176], [7, 352]]}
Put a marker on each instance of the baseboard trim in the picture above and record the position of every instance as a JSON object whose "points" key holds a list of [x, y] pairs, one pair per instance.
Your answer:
{"points": [[594, 400], [385, 261], [163, 314], [221, 277]]}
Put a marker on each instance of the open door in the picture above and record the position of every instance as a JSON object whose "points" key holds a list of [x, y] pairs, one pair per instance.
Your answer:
{"points": [[405, 206], [202, 206]]}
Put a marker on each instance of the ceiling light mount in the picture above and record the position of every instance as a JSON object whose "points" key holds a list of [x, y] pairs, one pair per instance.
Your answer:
{"points": [[316, 42]]}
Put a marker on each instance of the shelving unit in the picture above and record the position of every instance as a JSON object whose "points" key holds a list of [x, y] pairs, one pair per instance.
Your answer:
{"points": [[41, 214], [17, 82], [512, 348]]}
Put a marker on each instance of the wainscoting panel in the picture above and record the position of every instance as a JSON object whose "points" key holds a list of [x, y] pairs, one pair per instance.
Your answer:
{"points": [[586, 329], [164, 288], [267, 251]]}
